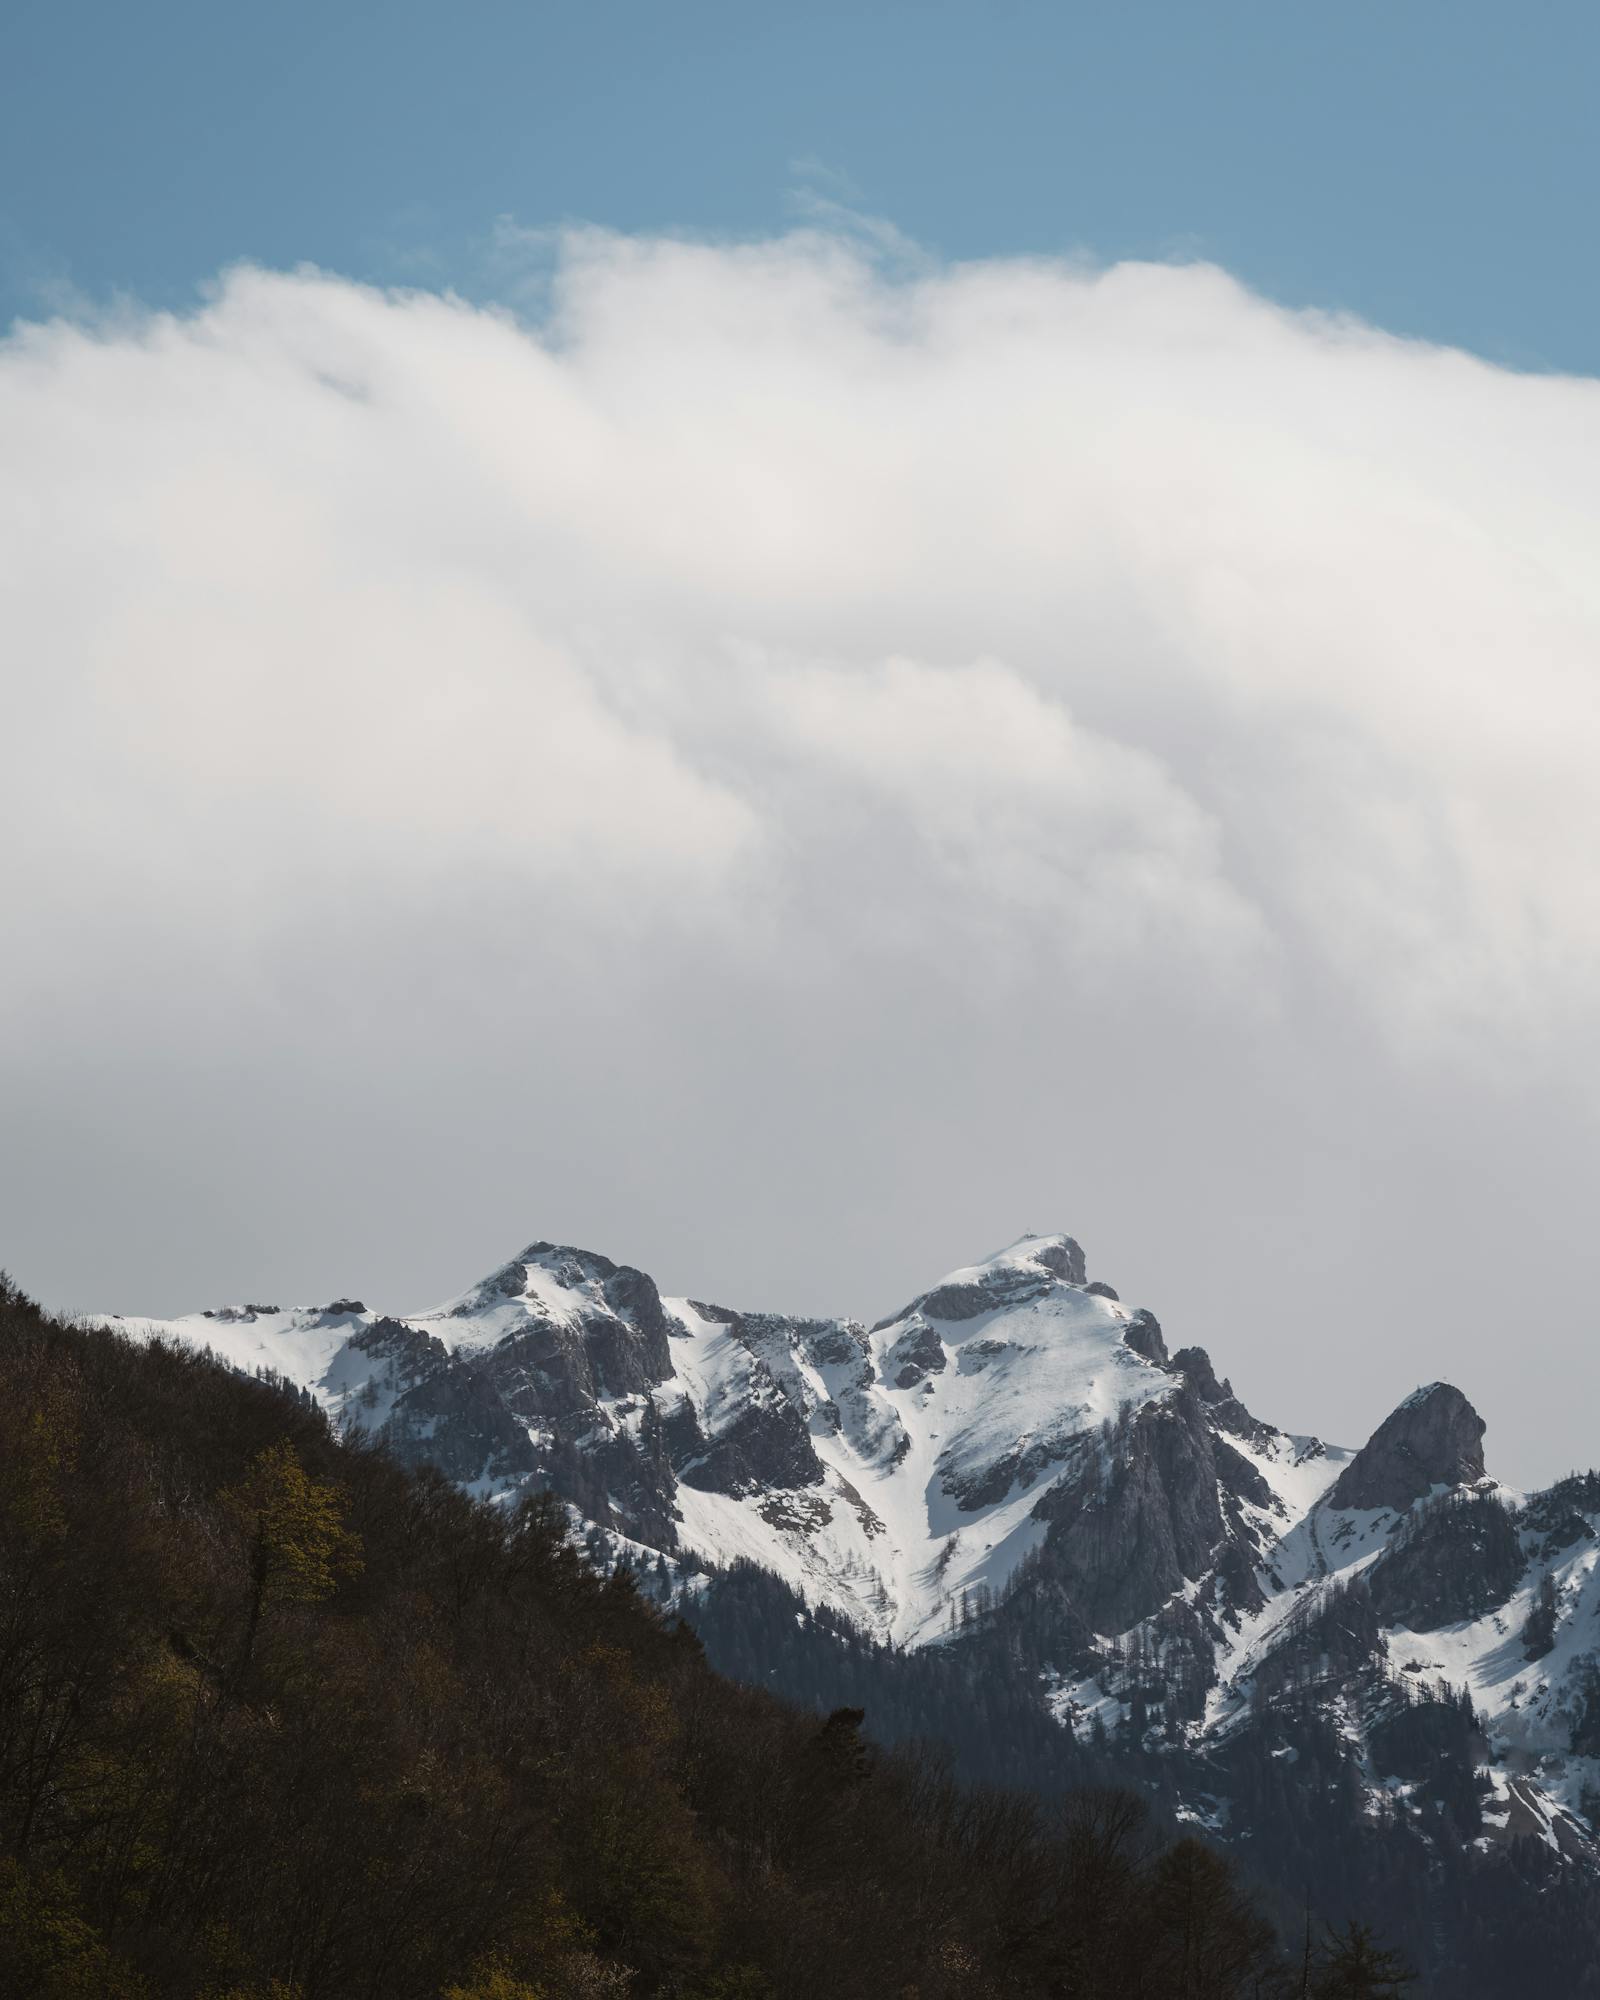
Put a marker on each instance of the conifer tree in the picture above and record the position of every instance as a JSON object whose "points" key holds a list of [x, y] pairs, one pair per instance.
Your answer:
{"points": [[1355, 1967], [1539, 1634]]}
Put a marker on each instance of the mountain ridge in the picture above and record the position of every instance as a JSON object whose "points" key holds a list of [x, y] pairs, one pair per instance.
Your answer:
{"points": [[1014, 1466], [914, 1453]]}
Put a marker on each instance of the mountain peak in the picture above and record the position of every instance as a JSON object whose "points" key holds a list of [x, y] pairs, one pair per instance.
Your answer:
{"points": [[1434, 1438], [1057, 1253], [1030, 1264]]}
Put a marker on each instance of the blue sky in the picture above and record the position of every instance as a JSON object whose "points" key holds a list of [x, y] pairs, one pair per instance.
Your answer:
{"points": [[1429, 166]]}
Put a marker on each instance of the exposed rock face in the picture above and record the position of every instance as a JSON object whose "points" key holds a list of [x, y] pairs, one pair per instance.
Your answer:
{"points": [[1435, 1438], [1195, 1363], [918, 1352], [559, 1393], [634, 1299], [766, 1445], [453, 1419], [838, 1354], [1144, 1336], [1124, 1536], [1063, 1255], [762, 1437], [946, 1302], [1236, 1475], [1035, 1263], [1223, 1406], [764, 1442], [619, 1345]]}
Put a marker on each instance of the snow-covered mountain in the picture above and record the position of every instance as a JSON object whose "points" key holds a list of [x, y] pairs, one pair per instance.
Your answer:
{"points": [[887, 1472], [1016, 1461]]}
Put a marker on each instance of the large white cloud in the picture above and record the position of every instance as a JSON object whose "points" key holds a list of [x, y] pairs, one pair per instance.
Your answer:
{"points": [[786, 761]]}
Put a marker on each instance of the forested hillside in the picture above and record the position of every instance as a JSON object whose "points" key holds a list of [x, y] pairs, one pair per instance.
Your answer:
{"points": [[282, 1720]]}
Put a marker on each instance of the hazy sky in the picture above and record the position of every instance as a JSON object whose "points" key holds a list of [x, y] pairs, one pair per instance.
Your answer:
{"points": [[792, 756]]}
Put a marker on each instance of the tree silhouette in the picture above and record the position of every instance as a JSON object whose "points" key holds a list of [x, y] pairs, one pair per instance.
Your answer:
{"points": [[1355, 1967]]}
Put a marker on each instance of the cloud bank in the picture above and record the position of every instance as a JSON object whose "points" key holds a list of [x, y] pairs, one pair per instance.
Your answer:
{"points": [[794, 764]]}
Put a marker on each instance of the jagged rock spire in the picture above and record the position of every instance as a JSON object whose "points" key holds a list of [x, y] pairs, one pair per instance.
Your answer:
{"points": [[1435, 1438]]}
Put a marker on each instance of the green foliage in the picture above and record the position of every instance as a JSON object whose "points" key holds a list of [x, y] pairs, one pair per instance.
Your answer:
{"points": [[299, 1547], [491, 1980], [47, 1950], [37, 1454]]}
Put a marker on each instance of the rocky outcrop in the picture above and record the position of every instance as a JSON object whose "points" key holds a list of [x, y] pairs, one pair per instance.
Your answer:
{"points": [[1434, 1439], [755, 1437], [633, 1298], [1222, 1405], [453, 1419], [1238, 1477], [1195, 1364], [766, 1445], [840, 1355], [1143, 1334], [918, 1352], [1062, 1255], [1036, 1263], [1133, 1528]]}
